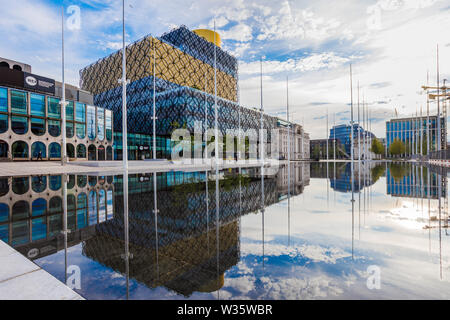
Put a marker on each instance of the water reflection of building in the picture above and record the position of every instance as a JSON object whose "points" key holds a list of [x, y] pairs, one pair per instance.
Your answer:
{"points": [[340, 175], [31, 210], [300, 176], [180, 252], [412, 182]]}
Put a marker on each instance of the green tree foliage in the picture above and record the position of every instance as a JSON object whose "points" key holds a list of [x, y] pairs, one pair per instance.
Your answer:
{"points": [[377, 147], [397, 147], [398, 171], [377, 172]]}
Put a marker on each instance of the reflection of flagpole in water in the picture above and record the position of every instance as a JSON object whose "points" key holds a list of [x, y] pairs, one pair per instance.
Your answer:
{"points": [[289, 161], [262, 210], [439, 179], [353, 211], [65, 231], [429, 213], [217, 228], [207, 208], [155, 213], [126, 256], [289, 206]]}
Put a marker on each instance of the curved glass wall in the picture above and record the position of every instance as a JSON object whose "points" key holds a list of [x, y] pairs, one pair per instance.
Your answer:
{"points": [[3, 123], [54, 150], [20, 185], [18, 102], [20, 150], [3, 100], [38, 147], [81, 151], [37, 105], [38, 183], [19, 124], [108, 125], [101, 124], [53, 108], [81, 130], [38, 126], [91, 129], [54, 128]]}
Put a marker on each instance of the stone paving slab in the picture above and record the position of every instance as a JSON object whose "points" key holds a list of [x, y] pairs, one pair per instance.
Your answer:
{"points": [[21, 279]]}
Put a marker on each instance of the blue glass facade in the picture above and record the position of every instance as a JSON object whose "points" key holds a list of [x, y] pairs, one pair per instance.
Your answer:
{"points": [[343, 133], [412, 131]]}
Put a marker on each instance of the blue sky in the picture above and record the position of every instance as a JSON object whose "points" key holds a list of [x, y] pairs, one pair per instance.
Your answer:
{"points": [[391, 44]]}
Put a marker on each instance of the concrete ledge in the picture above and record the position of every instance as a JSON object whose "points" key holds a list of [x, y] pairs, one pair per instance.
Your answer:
{"points": [[21, 279]]}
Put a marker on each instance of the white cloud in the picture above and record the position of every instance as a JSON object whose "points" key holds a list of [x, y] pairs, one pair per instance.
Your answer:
{"points": [[240, 32]]}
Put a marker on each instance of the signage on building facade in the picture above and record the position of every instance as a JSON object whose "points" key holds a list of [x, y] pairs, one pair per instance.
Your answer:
{"points": [[38, 83]]}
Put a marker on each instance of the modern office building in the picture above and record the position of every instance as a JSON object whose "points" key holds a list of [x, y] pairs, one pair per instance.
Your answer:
{"points": [[343, 133], [30, 118], [413, 133], [298, 141], [183, 64]]}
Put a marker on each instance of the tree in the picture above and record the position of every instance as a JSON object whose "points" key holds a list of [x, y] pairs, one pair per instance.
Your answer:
{"points": [[377, 147], [397, 147]]}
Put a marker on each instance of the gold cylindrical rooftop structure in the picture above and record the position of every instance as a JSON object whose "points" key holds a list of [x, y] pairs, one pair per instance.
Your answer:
{"points": [[208, 35]]}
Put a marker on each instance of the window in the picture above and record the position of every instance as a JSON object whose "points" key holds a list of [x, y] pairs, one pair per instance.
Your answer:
{"points": [[69, 111], [3, 154], [20, 150], [109, 153], [3, 123], [81, 151], [53, 108], [108, 125], [39, 183], [38, 126], [80, 112], [37, 105], [54, 150], [69, 129], [38, 207], [18, 102], [19, 125], [55, 183], [92, 152], [81, 130], [36, 148], [3, 100], [70, 150], [81, 181], [54, 128], [101, 124], [20, 185], [101, 153], [92, 131], [82, 210]]}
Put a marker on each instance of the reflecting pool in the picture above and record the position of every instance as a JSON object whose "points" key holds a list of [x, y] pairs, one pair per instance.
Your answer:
{"points": [[373, 230]]}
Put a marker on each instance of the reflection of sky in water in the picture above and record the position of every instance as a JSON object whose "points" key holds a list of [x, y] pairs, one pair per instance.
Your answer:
{"points": [[308, 255]]}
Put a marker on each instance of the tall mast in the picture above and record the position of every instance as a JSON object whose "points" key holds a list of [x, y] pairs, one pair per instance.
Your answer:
{"points": [[63, 102], [124, 93]]}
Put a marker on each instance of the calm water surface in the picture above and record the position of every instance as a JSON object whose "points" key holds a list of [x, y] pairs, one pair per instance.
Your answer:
{"points": [[304, 237]]}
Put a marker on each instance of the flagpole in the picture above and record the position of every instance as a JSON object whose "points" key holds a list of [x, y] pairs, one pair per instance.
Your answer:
{"points": [[216, 113], [63, 102], [124, 94], [154, 100]]}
